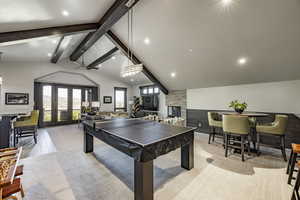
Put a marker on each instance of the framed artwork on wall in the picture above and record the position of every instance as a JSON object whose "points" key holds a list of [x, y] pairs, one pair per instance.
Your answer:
{"points": [[16, 98], [107, 99]]}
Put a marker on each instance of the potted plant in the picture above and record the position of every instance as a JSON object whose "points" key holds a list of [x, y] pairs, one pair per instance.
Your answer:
{"points": [[237, 106]]}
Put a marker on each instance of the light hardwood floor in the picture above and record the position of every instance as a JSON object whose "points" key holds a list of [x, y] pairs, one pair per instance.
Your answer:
{"points": [[57, 169]]}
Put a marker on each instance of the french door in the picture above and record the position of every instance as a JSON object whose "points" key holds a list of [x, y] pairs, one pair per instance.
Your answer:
{"points": [[61, 104]]}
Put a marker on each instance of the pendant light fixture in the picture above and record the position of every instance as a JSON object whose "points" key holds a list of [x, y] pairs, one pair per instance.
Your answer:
{"points": [[130, 69]]}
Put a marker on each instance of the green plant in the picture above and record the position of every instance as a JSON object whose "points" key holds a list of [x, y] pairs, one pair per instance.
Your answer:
{"points": [[236, 105]]}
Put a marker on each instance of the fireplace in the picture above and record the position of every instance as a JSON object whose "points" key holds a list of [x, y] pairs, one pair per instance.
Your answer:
{"points": [[174, 111]]}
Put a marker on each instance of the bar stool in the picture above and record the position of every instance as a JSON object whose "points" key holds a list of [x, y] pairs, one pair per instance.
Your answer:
{"points": [[275, 129], [295, 151], [238, 127], [213, 124], [295, 195]]}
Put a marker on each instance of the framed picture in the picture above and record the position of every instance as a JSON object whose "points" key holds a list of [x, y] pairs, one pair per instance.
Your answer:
{"points": [[16, 98], [107, 99]]}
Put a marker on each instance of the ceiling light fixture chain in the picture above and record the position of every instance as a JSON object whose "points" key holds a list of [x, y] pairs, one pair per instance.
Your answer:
{"points": [[130, 69]]}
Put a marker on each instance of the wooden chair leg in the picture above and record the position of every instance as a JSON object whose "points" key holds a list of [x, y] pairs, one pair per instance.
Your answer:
{"points": [[214, 133], [296, 187], [282, 138], [209, 137], [34, 136], [243, 147], [257, 143], [292, 167], [226, 144], [248, 145], [22, 191], [223, 139], [289, 162], [11, 197]]}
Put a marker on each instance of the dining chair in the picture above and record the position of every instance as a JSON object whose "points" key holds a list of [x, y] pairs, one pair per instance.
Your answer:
{"points": [[214, 124], [27, 128], [236, 129], [275, 129]]}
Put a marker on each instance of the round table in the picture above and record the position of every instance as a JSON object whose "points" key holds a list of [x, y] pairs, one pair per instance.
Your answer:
{"points": [[249, 114]]}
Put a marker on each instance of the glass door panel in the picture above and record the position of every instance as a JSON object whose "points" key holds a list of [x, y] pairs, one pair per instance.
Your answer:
{"points": [[47, 103], [76, 107], [120, 99], [62, 105]]}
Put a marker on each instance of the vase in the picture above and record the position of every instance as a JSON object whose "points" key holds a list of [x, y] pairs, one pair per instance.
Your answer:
{"points": [[238, 110]]}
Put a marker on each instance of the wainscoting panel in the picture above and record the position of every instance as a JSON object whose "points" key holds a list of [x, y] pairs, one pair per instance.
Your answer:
{"points": [[198, 118]]}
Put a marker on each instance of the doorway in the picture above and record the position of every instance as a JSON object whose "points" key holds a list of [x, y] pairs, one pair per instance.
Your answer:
{"points": [[61, 104]]}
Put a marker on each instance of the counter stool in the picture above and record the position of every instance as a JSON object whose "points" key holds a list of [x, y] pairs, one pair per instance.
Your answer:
{"points": [[275, 129], [295, 152], [236, 126], [213, 124], [295, 195]]}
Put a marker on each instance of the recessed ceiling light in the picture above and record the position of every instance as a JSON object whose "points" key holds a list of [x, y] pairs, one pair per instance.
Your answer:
{"points": [[242, 61], [147, 40], [65, 13], [226, 2], [49, 54], [114, 57], [173, 74]]}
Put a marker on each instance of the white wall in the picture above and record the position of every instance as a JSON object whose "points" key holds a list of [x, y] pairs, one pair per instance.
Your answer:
{"points": [[19, 77], [266, 97]]}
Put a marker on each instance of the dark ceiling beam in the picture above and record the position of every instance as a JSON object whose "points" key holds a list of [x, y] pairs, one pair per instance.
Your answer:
{"points": [[42, 32], [115, 12], [61, 46], [130, 55], [103, 58]]}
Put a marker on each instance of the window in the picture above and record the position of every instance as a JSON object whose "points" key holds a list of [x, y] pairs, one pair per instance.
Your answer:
{"points": [[149, 90], [120, 99], [145, 91]]}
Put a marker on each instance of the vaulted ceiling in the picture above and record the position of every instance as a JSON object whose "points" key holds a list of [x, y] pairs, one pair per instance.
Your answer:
{"points": [[200, 41]]}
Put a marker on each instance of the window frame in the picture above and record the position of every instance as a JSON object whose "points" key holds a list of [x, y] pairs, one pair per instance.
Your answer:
{"points": [[125, 98], [147, 87]]}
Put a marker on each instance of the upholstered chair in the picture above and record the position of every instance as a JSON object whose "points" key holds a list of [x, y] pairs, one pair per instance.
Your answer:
{"points": [[213, 124], [237, 128], [275, 129], [27, 127]]}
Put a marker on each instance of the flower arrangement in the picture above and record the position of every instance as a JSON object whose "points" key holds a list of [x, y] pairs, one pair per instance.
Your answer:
{"points": [[237, 106]]}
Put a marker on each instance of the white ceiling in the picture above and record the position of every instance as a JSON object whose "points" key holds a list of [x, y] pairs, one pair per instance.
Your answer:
{"points": [[112, 67], [200, 40], [37, 49], [29, 14]]}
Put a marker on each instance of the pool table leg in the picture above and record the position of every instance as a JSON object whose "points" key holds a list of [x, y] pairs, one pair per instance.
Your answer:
{"points": [[143, 180], [88, 143], [187, 156]]}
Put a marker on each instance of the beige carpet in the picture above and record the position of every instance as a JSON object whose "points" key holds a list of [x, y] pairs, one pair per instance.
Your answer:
{"points": [[57, 169]]}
